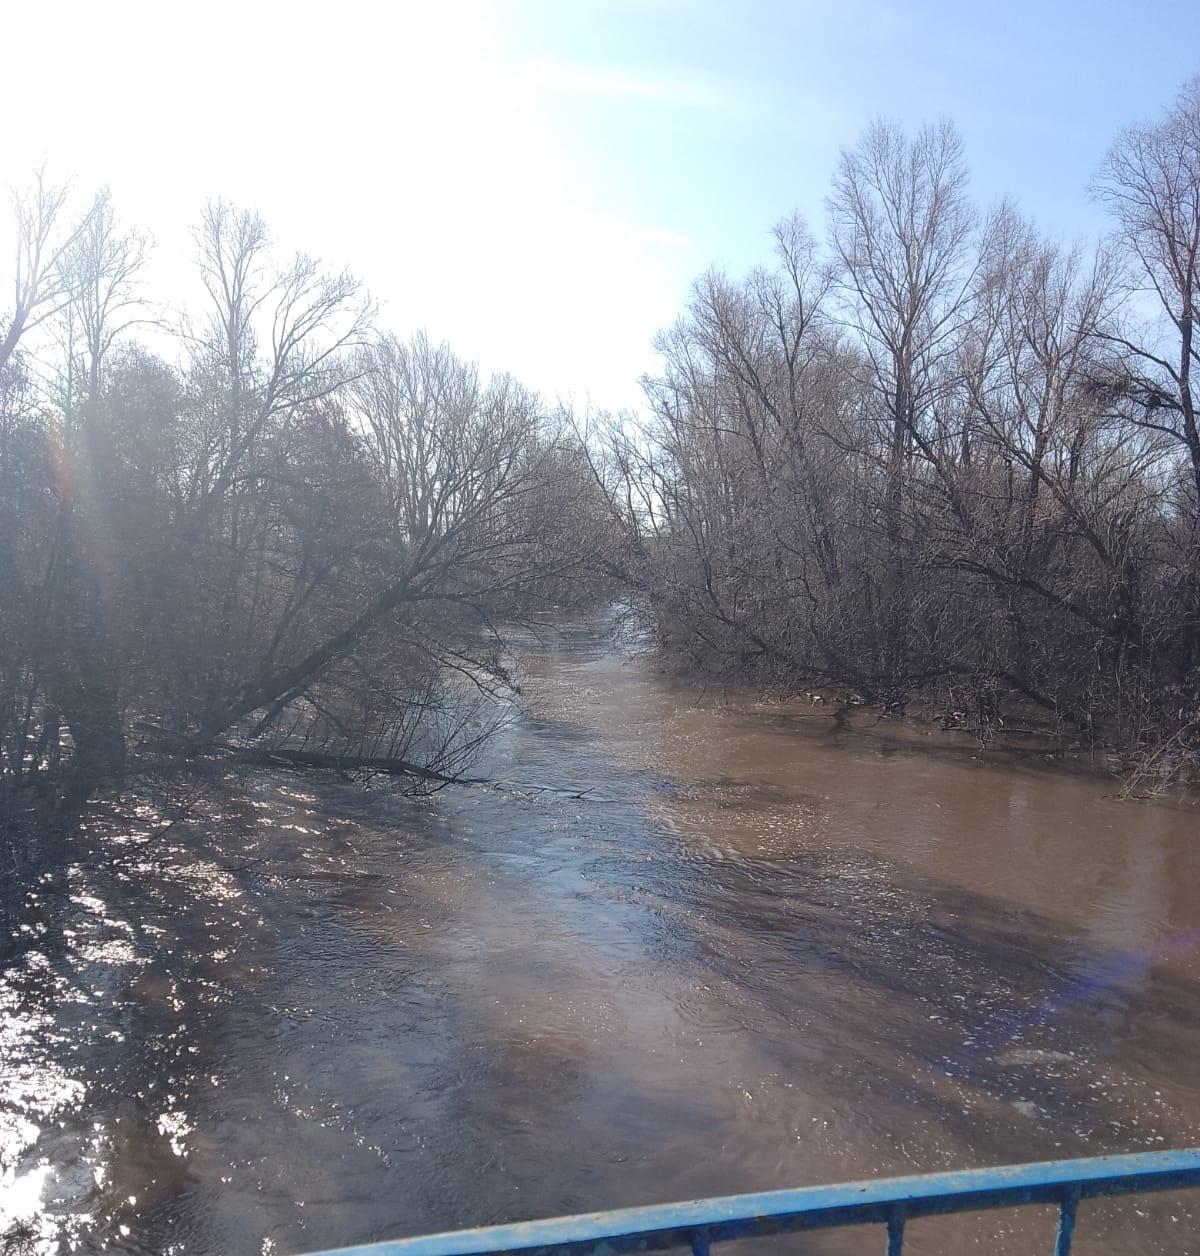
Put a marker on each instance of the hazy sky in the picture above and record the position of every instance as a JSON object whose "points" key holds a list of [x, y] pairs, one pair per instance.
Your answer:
{"points": [[539, 180]]}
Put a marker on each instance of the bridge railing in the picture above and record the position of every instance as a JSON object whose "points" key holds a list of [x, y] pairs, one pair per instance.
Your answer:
{"points": [[887, 1202]]}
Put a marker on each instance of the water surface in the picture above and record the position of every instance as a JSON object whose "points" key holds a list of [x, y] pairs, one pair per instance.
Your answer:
{"points": [[690, 944]]}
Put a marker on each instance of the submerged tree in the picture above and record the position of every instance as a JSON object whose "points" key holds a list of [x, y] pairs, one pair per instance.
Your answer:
{"points": [[952, 461], [299, 537], [937, 457]]}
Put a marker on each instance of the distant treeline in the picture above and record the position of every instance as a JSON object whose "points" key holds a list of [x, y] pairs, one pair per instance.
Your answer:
{"points": [[940, 455], [936, 456]]}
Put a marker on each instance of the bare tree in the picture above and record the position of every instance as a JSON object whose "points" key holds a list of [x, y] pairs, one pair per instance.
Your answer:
{"points": [[42, 283], [901, 228], [276, 339], [100, 269], [1151, 181]]}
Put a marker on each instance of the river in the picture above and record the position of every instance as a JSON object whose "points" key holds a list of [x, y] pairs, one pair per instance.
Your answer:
{"points": [[688, 944]]}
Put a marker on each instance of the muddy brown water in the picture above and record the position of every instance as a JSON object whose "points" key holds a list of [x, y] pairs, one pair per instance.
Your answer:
{"points": [[692, 946]]}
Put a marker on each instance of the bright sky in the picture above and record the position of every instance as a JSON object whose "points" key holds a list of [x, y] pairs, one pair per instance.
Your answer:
{"points": [[538, 181]]}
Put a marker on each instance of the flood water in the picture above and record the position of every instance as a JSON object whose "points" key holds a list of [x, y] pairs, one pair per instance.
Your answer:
{"points": [[689, 945]]}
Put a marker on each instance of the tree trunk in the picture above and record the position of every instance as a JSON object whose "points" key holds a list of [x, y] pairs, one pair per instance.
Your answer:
{"points": [[82, 673]]}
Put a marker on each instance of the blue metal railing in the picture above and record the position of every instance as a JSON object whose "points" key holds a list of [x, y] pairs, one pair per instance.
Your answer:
{"points": [[889, 1202]]}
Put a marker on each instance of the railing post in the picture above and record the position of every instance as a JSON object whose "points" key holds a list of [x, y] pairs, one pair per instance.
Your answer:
{"points": [[700, 1243], [895, 1231], [1066, 1222]]}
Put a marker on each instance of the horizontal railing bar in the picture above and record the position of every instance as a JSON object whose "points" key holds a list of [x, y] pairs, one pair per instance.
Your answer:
{"points": [[811, 1207]]}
